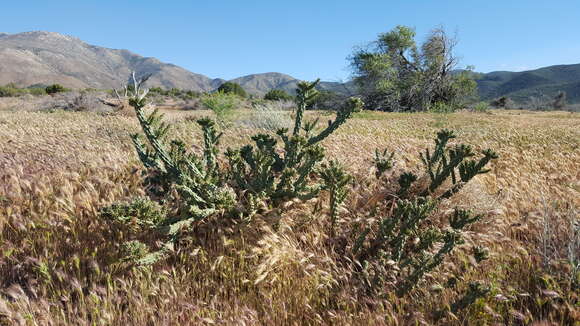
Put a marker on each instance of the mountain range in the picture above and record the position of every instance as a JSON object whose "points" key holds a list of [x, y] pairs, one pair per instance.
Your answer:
{"points": [[42, 58]]}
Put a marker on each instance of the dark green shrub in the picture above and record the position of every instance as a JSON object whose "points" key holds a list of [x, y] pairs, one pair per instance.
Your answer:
{"points": [[559, 100], [502, 103], [232, 88], [277, 95], [55, 88], [174, 93]]}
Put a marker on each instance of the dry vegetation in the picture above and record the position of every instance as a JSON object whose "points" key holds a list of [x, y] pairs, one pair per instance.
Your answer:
{"points": [[59, 262]]}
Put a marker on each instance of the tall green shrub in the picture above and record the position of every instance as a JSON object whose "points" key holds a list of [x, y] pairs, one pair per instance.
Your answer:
{"points": [[396, 74], [232, 88], [277, 95]]}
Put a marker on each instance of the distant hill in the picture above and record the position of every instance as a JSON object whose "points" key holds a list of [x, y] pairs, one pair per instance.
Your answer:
{"points": [[520, 86], [43, 58], [260, 84], [46, 58]]}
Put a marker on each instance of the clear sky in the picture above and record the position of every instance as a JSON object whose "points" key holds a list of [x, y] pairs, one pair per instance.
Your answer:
{"points": [[305, 39]]}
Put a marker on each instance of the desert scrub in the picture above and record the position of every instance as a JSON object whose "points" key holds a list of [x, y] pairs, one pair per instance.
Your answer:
{"points": [[270, 116], [277, 95], [57, 170]]}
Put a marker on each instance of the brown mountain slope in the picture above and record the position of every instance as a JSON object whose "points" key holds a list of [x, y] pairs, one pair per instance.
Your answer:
{"points": [[46, 57], [34, 58]]}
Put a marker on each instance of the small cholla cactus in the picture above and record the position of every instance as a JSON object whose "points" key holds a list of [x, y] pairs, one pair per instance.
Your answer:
{"points": [[480, 253], [202, 189], [261, 172], [405, 181], [336, 180], [383, 162], [444, 161]]}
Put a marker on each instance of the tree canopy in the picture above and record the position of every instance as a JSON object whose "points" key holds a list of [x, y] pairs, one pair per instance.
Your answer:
{"points": [[395, 74]]}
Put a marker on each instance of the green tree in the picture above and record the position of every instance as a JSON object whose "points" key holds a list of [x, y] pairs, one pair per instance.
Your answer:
{"points": [[277, 95], [394, 74], [232, 88]]}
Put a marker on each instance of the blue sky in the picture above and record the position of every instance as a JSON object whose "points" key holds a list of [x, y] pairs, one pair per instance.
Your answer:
{"points": [[306, 39]]}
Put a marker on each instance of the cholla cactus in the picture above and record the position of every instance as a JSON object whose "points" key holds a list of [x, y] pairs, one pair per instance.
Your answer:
{"points": [[336, 181], [383, 162], [283, 173], [443, 162], [404, 238], [197, 178], [204, 187]]}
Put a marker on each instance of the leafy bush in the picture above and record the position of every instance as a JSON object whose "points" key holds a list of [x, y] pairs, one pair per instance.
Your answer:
{"points": [[481, 107], [37, 91], [55, 88], [277, 95], [222, 104], [10, 91], [232, 88], [174, 93]]}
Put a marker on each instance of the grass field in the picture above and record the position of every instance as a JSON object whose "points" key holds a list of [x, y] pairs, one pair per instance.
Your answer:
{"points": [[58, 264]]}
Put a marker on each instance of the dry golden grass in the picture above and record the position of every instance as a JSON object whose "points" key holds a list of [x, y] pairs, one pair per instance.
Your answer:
{"points": [[58, 259]]}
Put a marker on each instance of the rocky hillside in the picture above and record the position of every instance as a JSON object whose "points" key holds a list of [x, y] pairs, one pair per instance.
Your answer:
{"points": [[46, 58]]}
